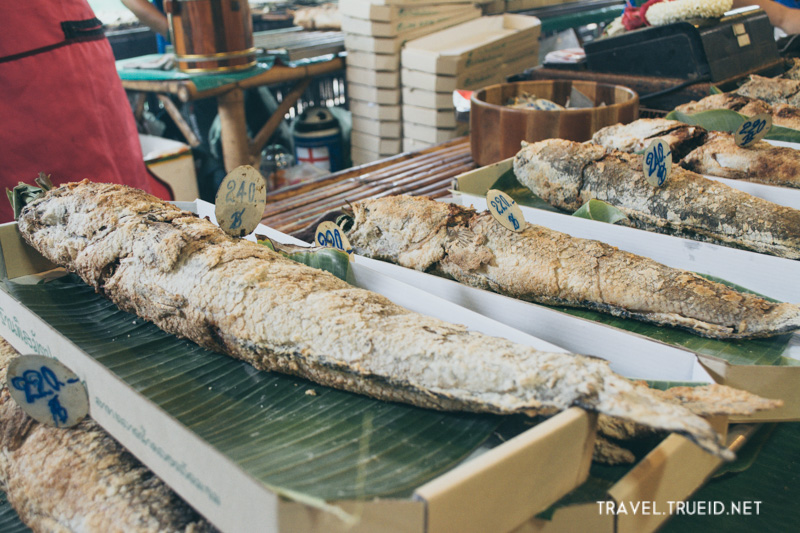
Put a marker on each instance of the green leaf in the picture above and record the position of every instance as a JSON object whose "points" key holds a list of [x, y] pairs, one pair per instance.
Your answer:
{"points": [[747, 454], [601, 211], [292, 435], [324, 258], [24, 194], [9, 519], [728, 120], [714, 90]]}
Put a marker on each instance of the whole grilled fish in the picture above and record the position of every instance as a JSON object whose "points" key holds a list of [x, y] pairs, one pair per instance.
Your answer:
{"points": [[79, 479], [547, 266], [712, 153], [771, 90], [567, 174], [782, 114], [191, 279]]}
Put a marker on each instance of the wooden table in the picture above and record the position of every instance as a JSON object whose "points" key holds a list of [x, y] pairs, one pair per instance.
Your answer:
{"points": [[237, 147]]}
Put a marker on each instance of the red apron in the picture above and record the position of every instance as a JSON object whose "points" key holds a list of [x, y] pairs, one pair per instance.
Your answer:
{"points": [[63, 110]]}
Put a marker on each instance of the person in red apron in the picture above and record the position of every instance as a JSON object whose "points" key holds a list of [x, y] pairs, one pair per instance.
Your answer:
{"points": [[63, 109]]}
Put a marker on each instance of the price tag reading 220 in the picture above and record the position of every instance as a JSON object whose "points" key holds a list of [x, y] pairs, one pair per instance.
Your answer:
{"points": [[240, 201], [753, 130], [657, 163], [47, 391], [505, 210]]}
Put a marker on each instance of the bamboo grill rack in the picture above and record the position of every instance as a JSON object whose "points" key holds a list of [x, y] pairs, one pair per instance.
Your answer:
{"points": [[428, 172]]}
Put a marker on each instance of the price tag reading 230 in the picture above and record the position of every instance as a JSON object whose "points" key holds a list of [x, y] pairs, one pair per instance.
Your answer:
{"points": [[47, 391], [657, 163], [240, 201], [331, 235], [753, 130], [505, 210]]}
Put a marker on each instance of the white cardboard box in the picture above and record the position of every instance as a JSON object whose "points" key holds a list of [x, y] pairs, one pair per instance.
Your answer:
{"points": [[376, 78], [428, 134], [414, 144], [450, 50], [373, 94], [392, 129], [409, 27], [367, 109], [441, 118], [375, 144], [373, 61], [361, 9], [418, 79], [376, 45], [172, 162], [429, 99]]}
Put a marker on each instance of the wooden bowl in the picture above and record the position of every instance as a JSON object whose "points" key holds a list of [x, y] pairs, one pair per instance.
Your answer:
{"points": [[496, 130]]}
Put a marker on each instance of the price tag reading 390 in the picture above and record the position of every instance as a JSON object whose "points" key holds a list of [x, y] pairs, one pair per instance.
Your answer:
{"points": [[753, 130], [47, 391], [505, 210], [240, 201], [331, 235], [657, 163]]}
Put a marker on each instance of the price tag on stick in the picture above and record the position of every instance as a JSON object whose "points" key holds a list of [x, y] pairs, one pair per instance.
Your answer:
{"points": [[47, 391], [240, 201], [657, 163], [505, 210], [329, 234], [753, 130]]}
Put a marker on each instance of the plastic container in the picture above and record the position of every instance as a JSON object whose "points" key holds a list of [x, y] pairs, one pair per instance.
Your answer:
{"points": [[318, 139]]}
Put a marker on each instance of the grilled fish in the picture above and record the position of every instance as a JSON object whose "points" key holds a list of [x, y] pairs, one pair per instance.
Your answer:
{"points": [[712, 153], [550, 267], [771, 90], [782, 114], [80, 479], [567, 174], [191, 279]]}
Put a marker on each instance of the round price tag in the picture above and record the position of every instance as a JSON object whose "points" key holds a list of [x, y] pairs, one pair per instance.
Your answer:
{"points": [[657, 163], [240, 201], [47, 391], [753, 130], [505, 210], [331, 235]]}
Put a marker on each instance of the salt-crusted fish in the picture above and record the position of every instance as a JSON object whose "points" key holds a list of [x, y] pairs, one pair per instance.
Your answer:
{"points": [[80, 479], [771, 90], [782, 114], [567, 174], [712, 153], [191, 279], [547, 266]]}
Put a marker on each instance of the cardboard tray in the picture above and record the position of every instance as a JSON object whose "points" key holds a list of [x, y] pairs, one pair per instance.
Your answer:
{"points": [[761, 273], [498, 491], [487, 40]]}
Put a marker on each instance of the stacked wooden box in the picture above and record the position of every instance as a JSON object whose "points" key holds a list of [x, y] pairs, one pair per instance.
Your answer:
{"points": [[472, 55], [375, 31]]}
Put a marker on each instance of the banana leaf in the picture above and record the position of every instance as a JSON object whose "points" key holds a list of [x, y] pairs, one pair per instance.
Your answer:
{"points": [[508, 183], [9, 519], [324, 258], [601, 211], [301, 439], [728, 120]]}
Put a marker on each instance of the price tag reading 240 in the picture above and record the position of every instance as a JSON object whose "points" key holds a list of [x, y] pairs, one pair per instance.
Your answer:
{"points": [[505, 210], [753, 130], [47, 391], [240, 201], [331, 235], [657, 163]]}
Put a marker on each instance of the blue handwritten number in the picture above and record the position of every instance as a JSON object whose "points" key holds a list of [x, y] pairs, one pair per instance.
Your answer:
{"points": [[750, 129], [500, 204], [513, 221], [236, 219], [231, 187], [331, 238], [57, 411], [656, 163]]}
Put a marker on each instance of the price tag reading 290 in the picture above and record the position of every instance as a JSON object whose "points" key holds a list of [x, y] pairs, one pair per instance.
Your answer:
{"points": [[657, 163], [505, 210], [753, 130], [331, 235], [47, 391], [240, 201]]}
